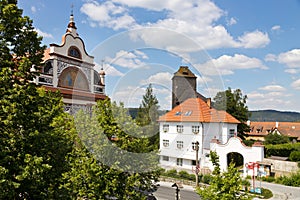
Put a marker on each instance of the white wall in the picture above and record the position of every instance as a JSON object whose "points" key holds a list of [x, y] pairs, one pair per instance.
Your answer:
{"points": [[207, 131]]}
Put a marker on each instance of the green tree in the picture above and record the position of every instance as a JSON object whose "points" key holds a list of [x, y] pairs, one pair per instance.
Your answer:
{"points": [[147, 117], [35, 134], [276, 138], [234, 102], [223, 185], [118, 154]]}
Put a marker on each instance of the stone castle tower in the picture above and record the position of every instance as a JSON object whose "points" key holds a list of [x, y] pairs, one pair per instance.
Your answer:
{"points": [[184, 86]]}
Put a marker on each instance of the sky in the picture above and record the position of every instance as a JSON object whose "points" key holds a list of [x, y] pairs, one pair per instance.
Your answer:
{"points": [[252, 45]]}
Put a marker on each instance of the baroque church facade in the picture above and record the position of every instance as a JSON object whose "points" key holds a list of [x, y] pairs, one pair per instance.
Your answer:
{"points": [[68, 67]]}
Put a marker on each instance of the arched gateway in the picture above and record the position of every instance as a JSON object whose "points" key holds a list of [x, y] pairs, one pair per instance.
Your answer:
{"points": [[235, 145]]}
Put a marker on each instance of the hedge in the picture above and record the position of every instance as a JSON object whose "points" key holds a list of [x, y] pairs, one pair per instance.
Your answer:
{"points": [[283, 150]]}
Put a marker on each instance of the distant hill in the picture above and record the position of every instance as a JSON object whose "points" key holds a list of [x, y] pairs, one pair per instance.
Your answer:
{"points": [[273, 116], [258, 115]]}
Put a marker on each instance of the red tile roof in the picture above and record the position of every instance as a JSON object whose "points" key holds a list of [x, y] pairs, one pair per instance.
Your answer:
{"points": [[197, 110], [291, 129]]}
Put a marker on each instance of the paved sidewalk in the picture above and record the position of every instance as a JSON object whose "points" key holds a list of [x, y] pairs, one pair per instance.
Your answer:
{"points": [[184, 187]]}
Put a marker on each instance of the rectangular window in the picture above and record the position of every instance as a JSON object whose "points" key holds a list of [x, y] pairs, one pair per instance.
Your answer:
{"points": [[166, 128], [195, 129], [179, 161], [179, 128], [193, 162], [165, 158], [165, 143], [194, 145], [179, 144], [231, 133]]}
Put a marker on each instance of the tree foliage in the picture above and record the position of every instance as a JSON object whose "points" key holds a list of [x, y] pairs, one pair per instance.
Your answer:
{"points": [[35, 133], [276, 138], [234, 102], [118, 155], [147, 117], [223, 185]]}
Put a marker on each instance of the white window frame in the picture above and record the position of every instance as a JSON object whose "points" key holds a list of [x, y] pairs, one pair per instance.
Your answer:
{"points": [[179, 144], [194, 146], [195, 129], [179, 128], [179, 161], [165, 128], [231, 132], [166, 143], [165, 158]]}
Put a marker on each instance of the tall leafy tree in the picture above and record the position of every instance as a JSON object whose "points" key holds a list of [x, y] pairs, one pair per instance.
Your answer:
{"points": [[147, 117], [118, 155], [234, 102], [223, 185], [35, 133]]}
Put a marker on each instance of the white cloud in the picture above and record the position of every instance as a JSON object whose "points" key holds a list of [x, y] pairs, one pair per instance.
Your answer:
{"points": [[108, 14], [33, 9], [296, 84], [128, 59], [255, 39], [109, 70], [292, 71], [130, 96], [273, 88], [270, 57], [290, 58], [225, 65], [268, 100], [43, 34], [162, 79], [231, 21], [276, 28], [196, 19]]}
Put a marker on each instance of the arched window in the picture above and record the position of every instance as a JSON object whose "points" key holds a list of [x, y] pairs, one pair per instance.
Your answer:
{"points": [[48, 67], [73, 78], [74, 52]]}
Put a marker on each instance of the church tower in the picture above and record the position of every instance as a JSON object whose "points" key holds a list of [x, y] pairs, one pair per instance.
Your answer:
{"points": [[184, 86], [70, 69]]}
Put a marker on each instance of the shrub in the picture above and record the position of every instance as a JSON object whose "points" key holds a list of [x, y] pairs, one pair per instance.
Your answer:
{"points": [[292, 180], [266, 193], [185, 175], [268, 179], [206, 178], [295, 156], [283, 150], [171, 173]]}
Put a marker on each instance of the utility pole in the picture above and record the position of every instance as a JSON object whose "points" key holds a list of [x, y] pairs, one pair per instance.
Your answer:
{"points": [[197, 164]]}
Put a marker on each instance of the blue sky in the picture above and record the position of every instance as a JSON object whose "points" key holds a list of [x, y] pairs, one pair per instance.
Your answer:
{"points": [[251, 45]]}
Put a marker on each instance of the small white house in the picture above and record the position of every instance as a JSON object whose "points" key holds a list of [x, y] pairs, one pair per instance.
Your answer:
{"points": [[192, 121]]}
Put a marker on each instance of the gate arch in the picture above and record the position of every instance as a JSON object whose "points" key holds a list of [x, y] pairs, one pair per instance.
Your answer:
{"points": [[235, 144]]}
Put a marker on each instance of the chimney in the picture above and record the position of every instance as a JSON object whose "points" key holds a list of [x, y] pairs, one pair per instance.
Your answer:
{"points": [[276, 124], [248, 122]]}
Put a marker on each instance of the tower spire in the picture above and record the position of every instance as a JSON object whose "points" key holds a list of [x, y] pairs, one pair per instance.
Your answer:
{"points": [[72, 7], [71, 26]]}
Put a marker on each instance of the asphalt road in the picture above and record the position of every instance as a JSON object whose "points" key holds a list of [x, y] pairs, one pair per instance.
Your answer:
{"points": [[280, 192], [166, 192]]}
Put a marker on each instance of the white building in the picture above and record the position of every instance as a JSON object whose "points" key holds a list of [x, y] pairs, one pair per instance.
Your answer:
{"points": [[190, 122]]}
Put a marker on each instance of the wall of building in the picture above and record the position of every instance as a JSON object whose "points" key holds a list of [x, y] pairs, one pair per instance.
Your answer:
{"points": [[207, 131], [279, 167]]}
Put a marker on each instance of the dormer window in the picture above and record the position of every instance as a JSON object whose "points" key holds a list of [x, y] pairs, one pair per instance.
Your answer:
{"points": [[74, 52]]}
